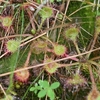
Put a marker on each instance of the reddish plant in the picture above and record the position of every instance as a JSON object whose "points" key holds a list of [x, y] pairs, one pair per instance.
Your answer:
{"points": [[10, 46], [61, 50], [52, 67], [6, 21], [38, 46], [73, 83], [23, 76]]}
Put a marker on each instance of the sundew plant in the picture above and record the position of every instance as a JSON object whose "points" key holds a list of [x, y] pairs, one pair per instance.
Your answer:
{"points": [[50, 49]]}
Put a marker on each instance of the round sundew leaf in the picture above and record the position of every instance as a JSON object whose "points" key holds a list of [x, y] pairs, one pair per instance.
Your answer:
{"points": [[76, 79], [55, 85], [71, 33], [59, 50], [52, 67], [22, 76], [12, 45], [42, 93], [45, 12], [51, 94], [6, 21], [38, 46], [41, 44]]}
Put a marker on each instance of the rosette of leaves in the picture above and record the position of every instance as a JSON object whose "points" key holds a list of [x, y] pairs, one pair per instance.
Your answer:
{"points": [[6, 21], [12, 45], [76, 81], [71, 33], [45, 12], [22, 76], [52, 67], [38, 46], [59, 50], [43, 88]]}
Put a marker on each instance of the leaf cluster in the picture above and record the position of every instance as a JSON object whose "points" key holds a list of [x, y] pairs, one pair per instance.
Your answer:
{"points": [[43, 88]]}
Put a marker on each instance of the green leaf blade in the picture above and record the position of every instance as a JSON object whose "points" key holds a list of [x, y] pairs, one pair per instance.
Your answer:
{"points": [[12, 45], [42, 93], [32, 89], [51, 94], [55, 85], [44, 84]]}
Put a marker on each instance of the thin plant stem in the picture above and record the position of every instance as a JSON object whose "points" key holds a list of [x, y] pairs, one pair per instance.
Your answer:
{"points": [[92, 77], [67, 65], [58, 60], [94, 63], [77, 48], [40, 25], [48, 40], [93, 43], [95, 58], [27, 60]]}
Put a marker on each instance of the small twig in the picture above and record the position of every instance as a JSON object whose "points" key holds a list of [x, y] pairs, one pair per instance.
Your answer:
{"points": [[80, 9], [45, 32], [39, 65], [18, 35], [33, 39], [3, 91], [85, 31], [3, 54]]}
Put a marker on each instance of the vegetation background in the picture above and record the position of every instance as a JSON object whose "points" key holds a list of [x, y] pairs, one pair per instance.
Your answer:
{"points": [[49, 50]]}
